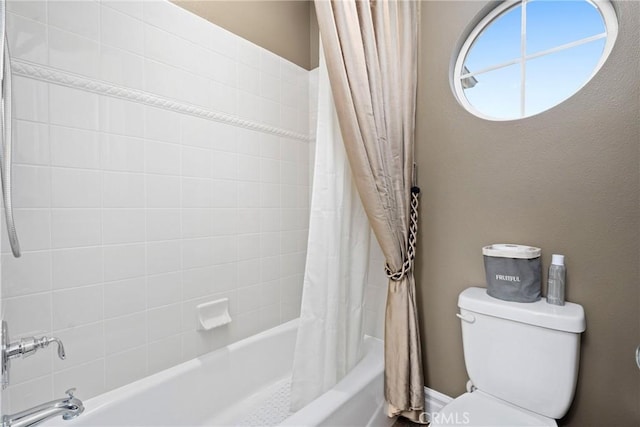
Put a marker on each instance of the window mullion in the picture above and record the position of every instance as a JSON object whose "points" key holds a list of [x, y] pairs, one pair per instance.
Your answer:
{"points": [[567, 46], [536, 55], [491, 68]]}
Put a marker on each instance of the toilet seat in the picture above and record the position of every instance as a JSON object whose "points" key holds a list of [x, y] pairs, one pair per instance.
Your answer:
{"points": [[480, 409]]}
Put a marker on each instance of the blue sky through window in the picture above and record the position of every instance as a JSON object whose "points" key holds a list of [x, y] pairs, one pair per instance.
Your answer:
{"points": [[497, 92], [553, 78], [550, 78], [499, 42], [554, 23]]}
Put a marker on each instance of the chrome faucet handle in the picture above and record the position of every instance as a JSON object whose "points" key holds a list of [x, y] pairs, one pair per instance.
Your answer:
{"points": [[27, 346], [46, 341], [23, 347], [70, 392]]}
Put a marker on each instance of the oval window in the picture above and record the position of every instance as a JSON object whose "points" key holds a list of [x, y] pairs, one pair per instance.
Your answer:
{"points": [[528, 56]]}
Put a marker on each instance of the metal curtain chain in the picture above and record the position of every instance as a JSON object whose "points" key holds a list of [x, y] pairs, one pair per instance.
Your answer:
{"points": [[407, 265]]}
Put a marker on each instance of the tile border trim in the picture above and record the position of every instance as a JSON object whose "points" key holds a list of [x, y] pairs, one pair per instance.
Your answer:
{"points": [[64, 78]]}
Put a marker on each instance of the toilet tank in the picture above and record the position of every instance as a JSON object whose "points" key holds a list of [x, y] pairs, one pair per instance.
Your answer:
{"points": [[523, 353]]}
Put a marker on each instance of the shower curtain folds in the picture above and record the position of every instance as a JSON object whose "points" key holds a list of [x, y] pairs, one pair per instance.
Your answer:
{"points": [[330, 335], [371, 55]]}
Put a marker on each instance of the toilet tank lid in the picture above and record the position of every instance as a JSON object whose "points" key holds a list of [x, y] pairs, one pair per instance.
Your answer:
{"points": [[569, 317]]}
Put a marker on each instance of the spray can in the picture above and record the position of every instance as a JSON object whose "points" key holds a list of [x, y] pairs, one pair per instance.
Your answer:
{"points": [[556, 280]]}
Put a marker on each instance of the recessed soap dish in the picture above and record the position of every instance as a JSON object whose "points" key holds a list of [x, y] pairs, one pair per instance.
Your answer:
{"points": [[213, 314]]}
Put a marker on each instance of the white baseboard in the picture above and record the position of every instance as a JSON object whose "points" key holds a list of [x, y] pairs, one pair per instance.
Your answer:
{"points": [[434, 401]]}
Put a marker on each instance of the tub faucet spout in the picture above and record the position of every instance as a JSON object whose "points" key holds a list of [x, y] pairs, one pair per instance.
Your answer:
{"points": [[69, 407]]}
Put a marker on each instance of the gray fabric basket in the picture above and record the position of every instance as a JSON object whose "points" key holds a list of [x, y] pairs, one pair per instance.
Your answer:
{"points": [[513, 272]]}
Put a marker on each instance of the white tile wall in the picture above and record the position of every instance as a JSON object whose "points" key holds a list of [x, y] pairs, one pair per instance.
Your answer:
{"points": [[130, 215]]}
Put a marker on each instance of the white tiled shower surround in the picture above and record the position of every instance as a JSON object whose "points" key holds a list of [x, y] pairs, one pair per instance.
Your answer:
{"points": [[160, 162]]}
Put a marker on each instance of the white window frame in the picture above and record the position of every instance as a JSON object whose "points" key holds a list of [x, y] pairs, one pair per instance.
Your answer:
{"points": [[611, 32]]}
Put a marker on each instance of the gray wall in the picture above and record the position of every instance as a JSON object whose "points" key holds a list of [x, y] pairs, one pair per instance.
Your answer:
{"points": [[566, 180]]}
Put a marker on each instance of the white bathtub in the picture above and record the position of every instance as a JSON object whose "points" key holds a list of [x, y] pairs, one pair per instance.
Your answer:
{"points": [[243, 384]]}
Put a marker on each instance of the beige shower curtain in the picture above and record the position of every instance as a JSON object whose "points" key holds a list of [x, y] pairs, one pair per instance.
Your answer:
{"points": [[371, 54]]}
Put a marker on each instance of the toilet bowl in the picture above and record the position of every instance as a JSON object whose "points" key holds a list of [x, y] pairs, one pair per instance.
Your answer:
{"points": [[522, 360]]}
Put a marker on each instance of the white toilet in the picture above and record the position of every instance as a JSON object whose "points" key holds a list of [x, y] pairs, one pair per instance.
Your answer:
{"points": [[522, 361]]}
